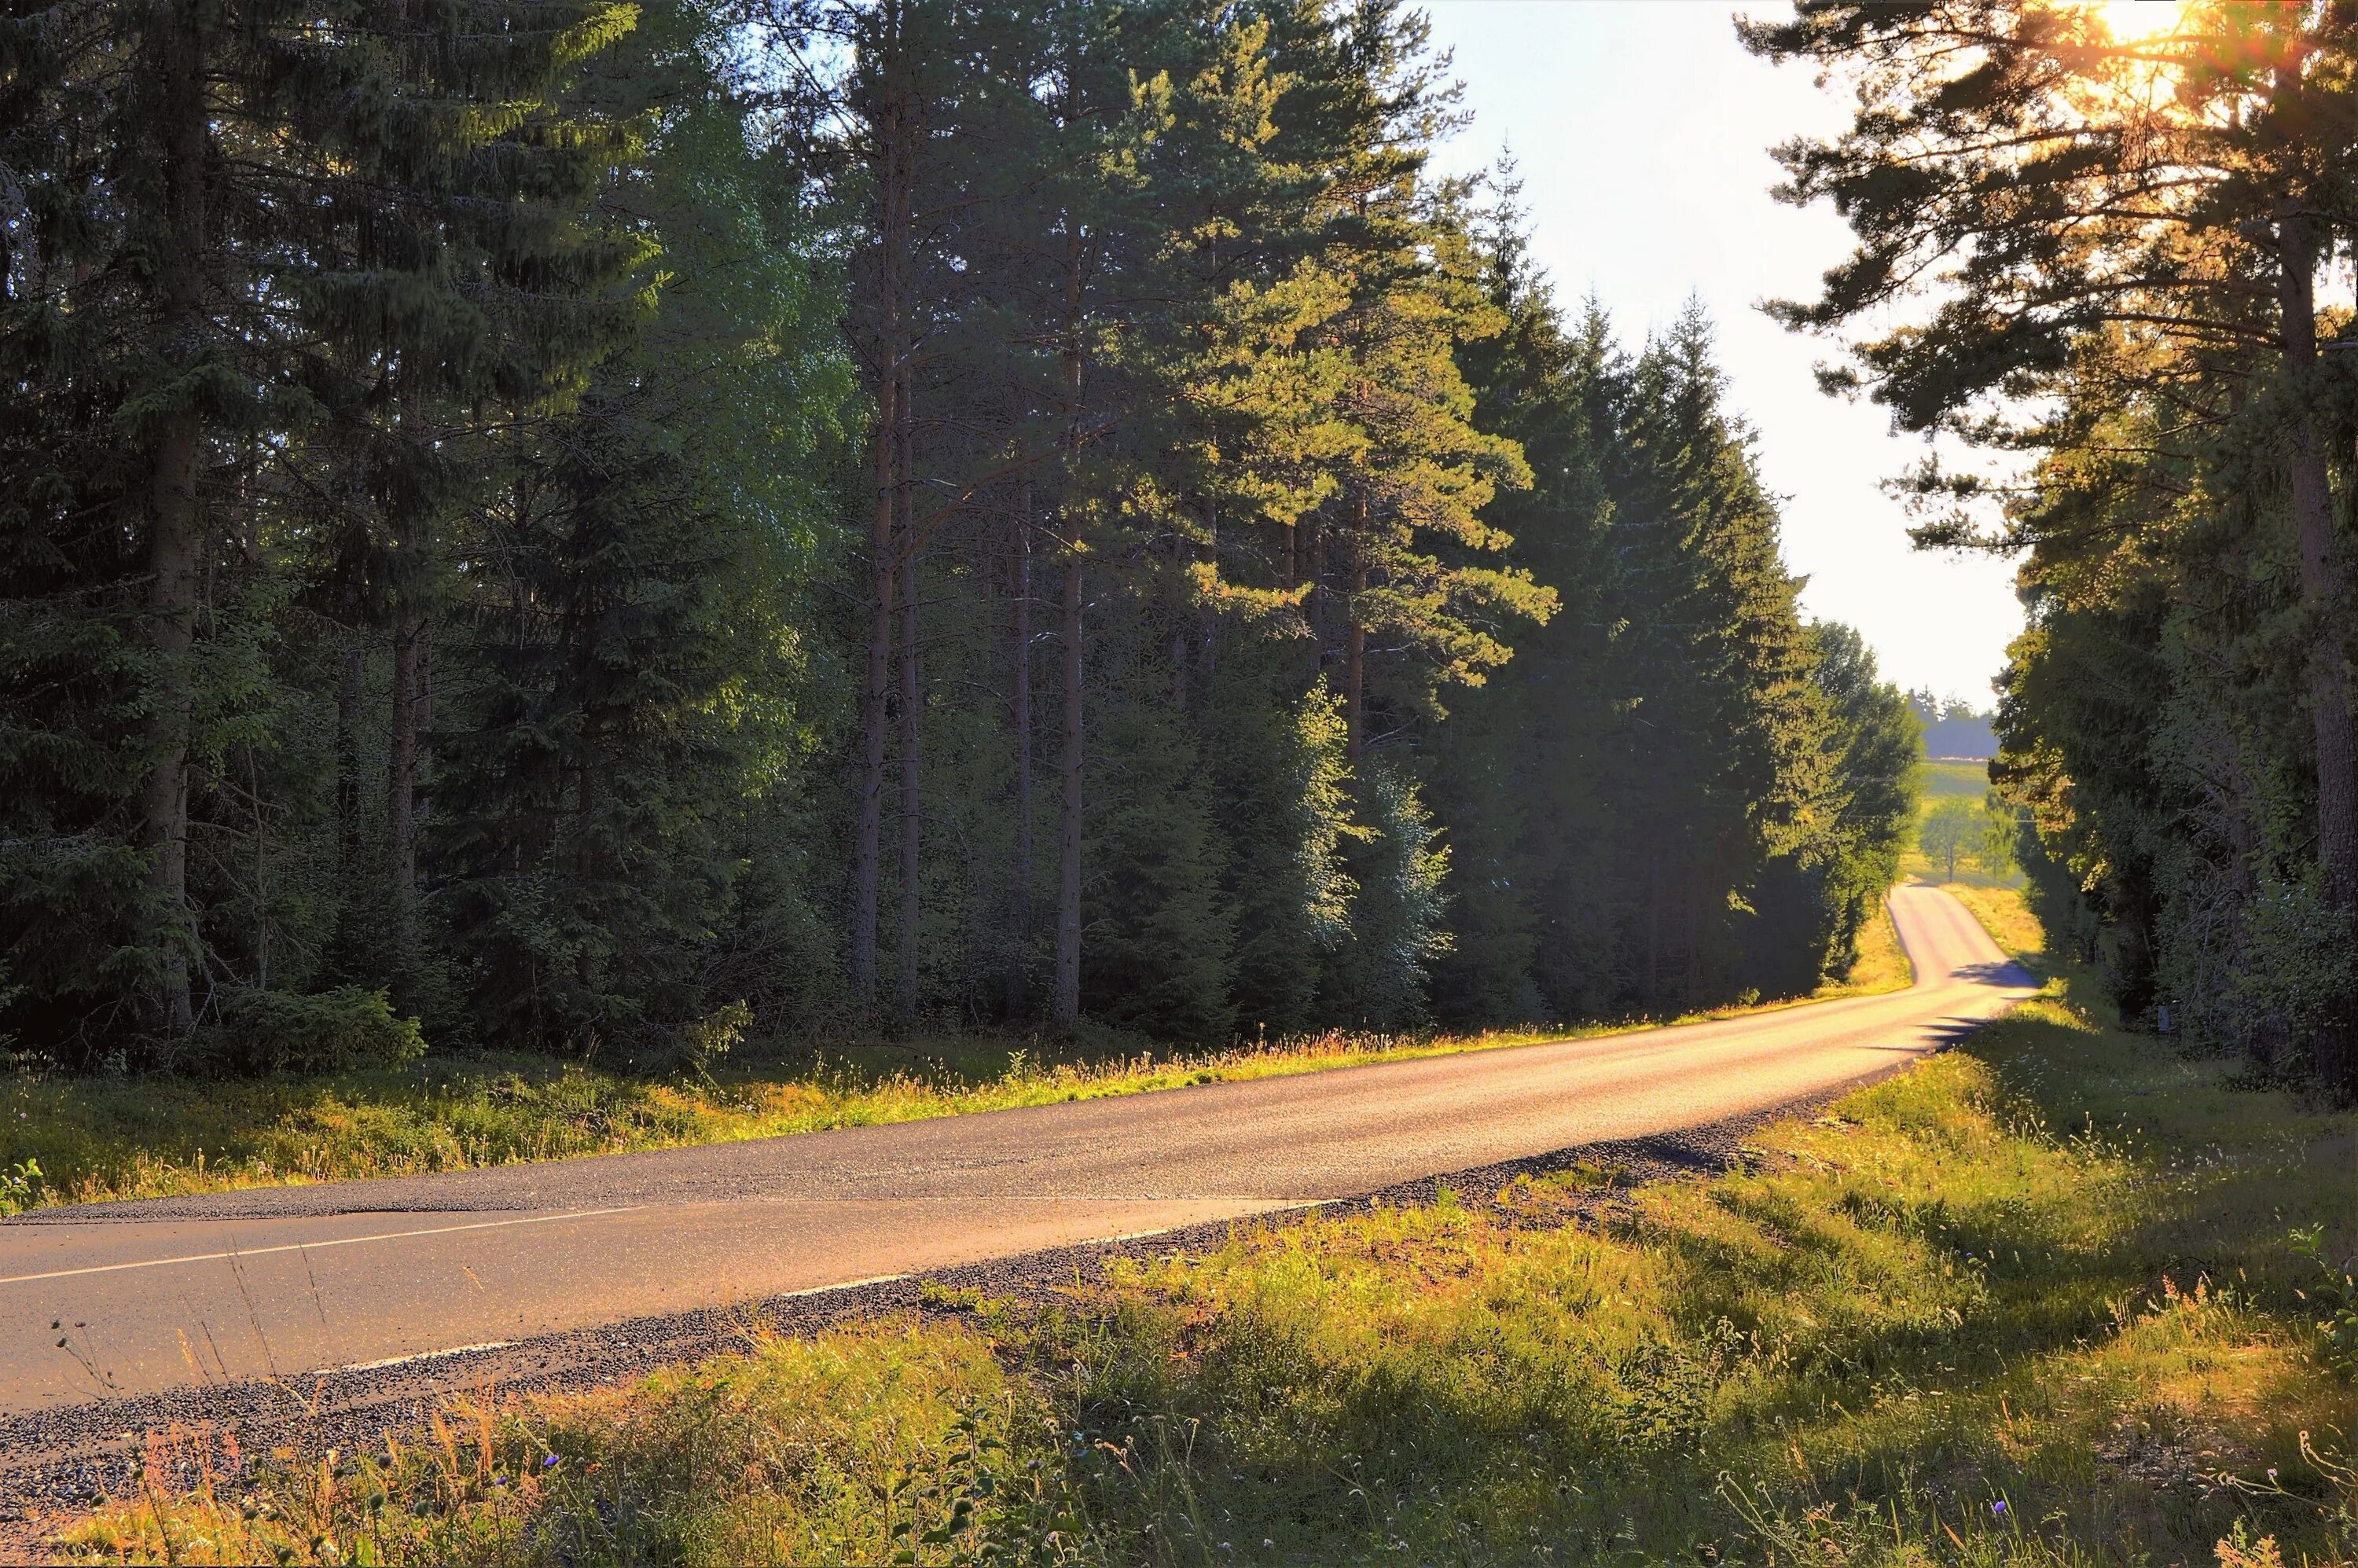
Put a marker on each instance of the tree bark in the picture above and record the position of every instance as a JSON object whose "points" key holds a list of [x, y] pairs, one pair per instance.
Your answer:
{"points": [[2322, 600], [892, 219], [1068, 1011], [401, 778], [175, 536], [1355, 638], [1207, 614], [1316, 545], [867, 853], [1654, 931], [1182, 634], [349, 695], [1020, 900], [912, 820]]}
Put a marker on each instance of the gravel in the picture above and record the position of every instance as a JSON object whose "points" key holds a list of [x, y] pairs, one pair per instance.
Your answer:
{"points": [[57, 1462]]}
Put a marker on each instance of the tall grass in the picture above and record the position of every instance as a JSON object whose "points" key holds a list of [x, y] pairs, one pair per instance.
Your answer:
{"points": [[2037, 1301]]}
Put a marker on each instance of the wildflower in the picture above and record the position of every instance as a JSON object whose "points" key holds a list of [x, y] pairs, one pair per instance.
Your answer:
{"points": [[546, 1462], [1998, 1507]]}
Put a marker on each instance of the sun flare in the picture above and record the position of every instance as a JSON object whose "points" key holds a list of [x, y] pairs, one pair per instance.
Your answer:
{"points": [[2132, 21]]}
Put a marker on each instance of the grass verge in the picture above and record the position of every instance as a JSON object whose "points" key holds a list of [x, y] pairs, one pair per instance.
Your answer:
{"points": [[93, 1139], [2005, 914], [2037, 1301]]}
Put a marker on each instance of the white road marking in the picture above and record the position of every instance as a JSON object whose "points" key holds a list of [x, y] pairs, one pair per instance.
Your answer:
{"points": [[299, 1246]]}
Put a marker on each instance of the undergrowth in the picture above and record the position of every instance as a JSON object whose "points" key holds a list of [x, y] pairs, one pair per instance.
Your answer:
{"points": [[2049, 1299]]}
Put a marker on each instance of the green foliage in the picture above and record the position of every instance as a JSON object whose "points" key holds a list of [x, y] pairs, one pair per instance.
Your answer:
{"points": [[1287, 784], [2300, 961], [2334, 1290], [22, 1187], [1161, 961], [1952, 830], [334, 1032], [1416, 652], [1397, 931], [2176, 720]]}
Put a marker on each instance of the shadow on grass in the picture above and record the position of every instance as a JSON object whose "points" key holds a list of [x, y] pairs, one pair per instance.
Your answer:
{"points": [[2027, 1302]]}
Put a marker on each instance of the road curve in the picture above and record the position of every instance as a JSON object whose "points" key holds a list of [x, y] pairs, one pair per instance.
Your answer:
{"points": [[171, 1293]]}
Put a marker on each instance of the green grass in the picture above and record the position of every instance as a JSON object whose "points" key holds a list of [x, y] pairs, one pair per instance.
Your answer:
{"points": [[2004, 913], [2048, 1272], [1938, 781], [1882, 963], [96, 1139]]}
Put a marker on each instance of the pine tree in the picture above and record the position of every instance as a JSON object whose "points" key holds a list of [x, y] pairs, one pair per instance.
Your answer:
{"points": [[2046, 183]]}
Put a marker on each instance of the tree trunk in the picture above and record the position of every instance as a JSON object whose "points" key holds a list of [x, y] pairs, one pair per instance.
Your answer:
{"points": [[1207, 614], [175, 538], [2322, 600], [1695, 939], [1654, 931], [401, 779], [1020, 901], [867, 869], [1068, 1011], [867, 854], [1317, 549], [261, 871], [1182, 633], [350, 694], [912, 821], [1355, 637]]}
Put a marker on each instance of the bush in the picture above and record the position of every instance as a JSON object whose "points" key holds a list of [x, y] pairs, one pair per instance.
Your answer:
{"points": [[278, 1031]]}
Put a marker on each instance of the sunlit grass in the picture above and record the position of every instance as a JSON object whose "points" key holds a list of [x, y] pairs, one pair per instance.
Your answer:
{"points": [[97, 1139], [94, 1139], [2029, 1303], [2005, 912], [1882, 964]]}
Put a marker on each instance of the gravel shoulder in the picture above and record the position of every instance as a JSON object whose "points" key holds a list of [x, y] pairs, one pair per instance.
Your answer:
{"points": [[54, 1463]]}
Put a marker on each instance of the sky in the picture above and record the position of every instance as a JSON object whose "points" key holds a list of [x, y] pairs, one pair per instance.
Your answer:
{"points": [[1641, 128]]}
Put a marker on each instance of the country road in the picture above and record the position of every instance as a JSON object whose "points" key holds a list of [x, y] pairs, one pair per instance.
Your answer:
{"points": [[173, 1294]]}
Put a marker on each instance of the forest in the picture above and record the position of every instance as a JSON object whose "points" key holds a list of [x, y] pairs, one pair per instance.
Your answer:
{"points": [[2112, 244], [614, 528]]}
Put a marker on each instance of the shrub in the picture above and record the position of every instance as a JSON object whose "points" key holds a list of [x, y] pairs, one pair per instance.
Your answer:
{"points": [[279, 1031]]}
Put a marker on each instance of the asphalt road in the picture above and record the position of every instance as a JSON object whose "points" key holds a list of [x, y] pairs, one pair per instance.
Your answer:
{"points": [[188, 1293]]}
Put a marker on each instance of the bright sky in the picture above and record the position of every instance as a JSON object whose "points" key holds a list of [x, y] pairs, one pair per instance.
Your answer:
{"points": [[1642, 128]]}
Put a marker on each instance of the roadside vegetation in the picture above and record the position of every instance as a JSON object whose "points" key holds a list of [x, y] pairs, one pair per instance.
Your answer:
{"points": [[1966, 832], [2053, 1298], [85, 1140]]}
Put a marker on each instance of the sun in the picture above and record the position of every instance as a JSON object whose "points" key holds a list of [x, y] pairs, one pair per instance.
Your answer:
{"points": [[2133, 21]]}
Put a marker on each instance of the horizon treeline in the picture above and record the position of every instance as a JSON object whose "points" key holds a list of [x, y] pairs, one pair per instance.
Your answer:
{"points": [[2119, 240], [610, 528]]}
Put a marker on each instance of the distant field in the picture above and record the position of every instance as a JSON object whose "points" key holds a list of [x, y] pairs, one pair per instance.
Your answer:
{"points": [[1941, 779], [1952, 781]]}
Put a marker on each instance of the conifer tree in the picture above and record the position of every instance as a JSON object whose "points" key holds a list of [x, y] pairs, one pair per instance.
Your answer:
{"points": [[2046, 182]]}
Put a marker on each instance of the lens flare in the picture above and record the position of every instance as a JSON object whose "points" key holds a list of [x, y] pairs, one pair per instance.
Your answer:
{"points": [[2133, 21]]}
